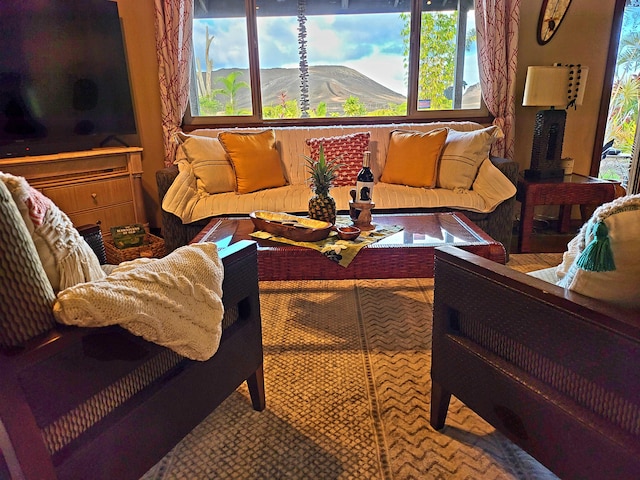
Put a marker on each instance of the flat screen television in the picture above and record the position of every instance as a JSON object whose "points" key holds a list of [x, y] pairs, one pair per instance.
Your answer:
{"points": [[64, 81]]}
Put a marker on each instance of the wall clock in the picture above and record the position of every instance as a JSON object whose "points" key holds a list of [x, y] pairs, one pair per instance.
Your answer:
{"points": [[551, 15]]}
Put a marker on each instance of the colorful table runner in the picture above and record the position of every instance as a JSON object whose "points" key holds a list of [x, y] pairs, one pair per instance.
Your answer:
{"points": [[340, 251]]}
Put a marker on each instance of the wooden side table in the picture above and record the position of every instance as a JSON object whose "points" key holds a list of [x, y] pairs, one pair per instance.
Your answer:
{"points": [[566, 191]]}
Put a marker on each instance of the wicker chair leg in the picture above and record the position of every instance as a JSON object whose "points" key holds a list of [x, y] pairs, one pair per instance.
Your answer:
{"points": [[439, 405], [256, 389]]}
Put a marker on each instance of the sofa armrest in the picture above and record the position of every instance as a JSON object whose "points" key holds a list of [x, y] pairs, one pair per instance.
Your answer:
{"points": [[510, 168], [547, 367], [175, 233], [500, 222]]}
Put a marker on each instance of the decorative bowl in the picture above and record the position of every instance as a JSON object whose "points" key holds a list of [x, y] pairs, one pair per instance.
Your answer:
{"points": [[348, 233], [298, 229]]}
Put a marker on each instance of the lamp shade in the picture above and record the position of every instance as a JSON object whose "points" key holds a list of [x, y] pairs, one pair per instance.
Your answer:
{"points": [[546, 87]]}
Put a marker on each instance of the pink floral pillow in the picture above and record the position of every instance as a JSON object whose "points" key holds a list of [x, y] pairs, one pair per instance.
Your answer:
{"points": [[349, 147]]}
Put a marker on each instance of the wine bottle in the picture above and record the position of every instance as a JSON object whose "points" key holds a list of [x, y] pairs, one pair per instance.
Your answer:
{"points": [[364, 181]]}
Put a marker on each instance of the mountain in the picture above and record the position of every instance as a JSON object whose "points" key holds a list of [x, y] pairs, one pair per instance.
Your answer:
{"points": [[328, 83]]}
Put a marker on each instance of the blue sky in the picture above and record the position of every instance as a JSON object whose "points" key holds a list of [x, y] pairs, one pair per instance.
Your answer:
{"points": [[368, 44]]}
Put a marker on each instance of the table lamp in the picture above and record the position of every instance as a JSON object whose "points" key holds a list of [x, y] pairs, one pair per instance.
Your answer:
{"points": [[551, 86]]}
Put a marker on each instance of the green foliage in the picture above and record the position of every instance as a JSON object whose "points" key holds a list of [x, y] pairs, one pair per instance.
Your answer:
{"points": [[353, 107], [230, 88], [437, 53], [623, 113], [288, 109], [321, 111], [392, 110], [625, 95], [209, 106]]}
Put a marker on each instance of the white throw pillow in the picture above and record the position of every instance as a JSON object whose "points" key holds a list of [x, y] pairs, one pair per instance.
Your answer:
{"points": [[605, 255], [211, 166], [66, 257], [462, 155]]}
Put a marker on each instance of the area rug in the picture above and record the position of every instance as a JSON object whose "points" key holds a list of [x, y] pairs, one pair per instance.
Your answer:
{"points": [[347, 380]]}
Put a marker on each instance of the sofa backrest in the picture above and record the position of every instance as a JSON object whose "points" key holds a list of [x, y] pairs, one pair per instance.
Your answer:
{"points": [[291, 141]]}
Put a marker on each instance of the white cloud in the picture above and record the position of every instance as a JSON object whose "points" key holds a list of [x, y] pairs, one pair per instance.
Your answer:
{"points": [[387, 70]]}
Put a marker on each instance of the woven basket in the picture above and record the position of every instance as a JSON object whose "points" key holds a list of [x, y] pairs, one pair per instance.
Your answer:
{"points": [[152, 247]]}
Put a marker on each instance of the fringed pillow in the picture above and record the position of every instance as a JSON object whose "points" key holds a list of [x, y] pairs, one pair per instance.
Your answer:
{"points": [[66, 257], [603, 260]]}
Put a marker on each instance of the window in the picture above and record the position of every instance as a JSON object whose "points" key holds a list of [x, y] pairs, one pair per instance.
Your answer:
{"points": [[622, 131], [333, 59]]}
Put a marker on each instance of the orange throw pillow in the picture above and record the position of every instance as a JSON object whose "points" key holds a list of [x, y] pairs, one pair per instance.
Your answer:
{"points": [[255, 159], [413, 157]]}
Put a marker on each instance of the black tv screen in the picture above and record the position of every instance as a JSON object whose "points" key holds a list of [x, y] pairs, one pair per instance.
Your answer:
{"points": [[64, 83]]}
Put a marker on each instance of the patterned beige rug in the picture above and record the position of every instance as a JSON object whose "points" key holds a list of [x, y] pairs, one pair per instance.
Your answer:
{"points": [[347, 372]]}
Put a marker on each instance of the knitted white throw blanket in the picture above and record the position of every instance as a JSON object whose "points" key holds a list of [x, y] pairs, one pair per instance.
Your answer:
{"points": [[175, 301]]}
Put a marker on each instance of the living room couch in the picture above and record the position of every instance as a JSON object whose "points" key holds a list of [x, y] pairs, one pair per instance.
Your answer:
{"points": [[488, 201]]}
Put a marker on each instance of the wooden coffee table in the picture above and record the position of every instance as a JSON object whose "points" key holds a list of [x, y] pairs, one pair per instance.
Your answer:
{"points": [[406, 254]]}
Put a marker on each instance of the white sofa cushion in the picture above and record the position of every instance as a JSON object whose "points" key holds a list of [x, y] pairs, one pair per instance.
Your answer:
{"points": [[183, 200], [211, 166], [463, 154]]}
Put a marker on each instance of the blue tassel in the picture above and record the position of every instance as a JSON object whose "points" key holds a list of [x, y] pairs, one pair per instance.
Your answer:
{"points": [[597, 255]]}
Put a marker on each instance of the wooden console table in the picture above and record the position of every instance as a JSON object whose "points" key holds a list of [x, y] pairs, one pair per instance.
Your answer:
{"points": [[566, 191], [102, 186]]}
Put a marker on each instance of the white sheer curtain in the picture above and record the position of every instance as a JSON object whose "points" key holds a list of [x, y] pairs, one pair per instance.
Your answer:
{"points": [[497, 23], [174, 23]]}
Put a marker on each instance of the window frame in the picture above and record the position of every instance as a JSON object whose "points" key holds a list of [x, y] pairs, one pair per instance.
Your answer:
{"points": [[480, 115]]}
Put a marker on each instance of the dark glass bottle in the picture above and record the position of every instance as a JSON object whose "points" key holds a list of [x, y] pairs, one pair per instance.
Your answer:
{"points": [[364, 183]]}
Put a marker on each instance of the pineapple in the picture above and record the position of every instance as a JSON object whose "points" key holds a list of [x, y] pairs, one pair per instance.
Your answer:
{"points": [[323, 172]]}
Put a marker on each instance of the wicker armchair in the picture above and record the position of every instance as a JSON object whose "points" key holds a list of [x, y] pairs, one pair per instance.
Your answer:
{"points": [[555, 371], [102, 403]]}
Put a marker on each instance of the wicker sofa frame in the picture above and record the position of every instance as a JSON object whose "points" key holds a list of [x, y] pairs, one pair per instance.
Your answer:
{"points": [[556, 372], [102, 403]]}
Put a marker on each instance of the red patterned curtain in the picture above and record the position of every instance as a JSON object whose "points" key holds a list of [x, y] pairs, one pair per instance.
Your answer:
{"points": [[174, 19], [497, 23]]}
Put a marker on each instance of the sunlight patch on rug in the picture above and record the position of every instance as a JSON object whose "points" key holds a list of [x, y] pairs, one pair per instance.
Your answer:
{"points": [[347, 380]]}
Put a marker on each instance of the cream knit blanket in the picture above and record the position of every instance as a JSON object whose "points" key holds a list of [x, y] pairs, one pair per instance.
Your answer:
{"points": [[175, 301]]}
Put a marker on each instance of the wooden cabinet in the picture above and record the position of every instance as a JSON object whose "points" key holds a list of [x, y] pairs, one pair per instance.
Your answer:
{"points": [[101, 186]]}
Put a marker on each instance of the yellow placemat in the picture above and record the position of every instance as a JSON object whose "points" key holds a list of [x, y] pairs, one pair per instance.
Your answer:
{"points": [[340, 251]]}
